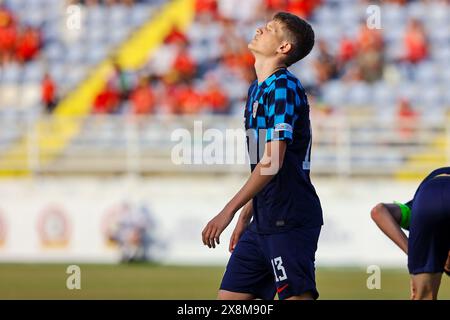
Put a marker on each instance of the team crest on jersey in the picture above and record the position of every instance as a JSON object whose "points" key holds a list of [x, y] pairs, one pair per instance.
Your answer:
{"points": [[255, 108]]}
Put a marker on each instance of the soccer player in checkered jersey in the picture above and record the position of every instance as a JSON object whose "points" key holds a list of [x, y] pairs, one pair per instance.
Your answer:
{"points": [[275, 239]]}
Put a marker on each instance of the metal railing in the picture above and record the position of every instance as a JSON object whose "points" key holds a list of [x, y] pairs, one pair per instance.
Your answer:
{"points": [[342, 145]]}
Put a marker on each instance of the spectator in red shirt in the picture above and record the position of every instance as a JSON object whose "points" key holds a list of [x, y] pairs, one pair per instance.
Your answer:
{"points": [[142, 98], [406, 117], [415, 42], [215, 99], [28, 45], [206, 6], [347, 50], [184, 65], [8, 39], [107, 101], [176, 36], [277, 5], [302, 8], [186, 99], [48, 93]]}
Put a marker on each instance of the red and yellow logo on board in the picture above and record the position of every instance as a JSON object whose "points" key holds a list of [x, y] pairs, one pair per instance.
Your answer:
{"points": [[53, 227]]}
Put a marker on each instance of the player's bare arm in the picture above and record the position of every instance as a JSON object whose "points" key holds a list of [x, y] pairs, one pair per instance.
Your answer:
{"points": [[264, 171], [388, 217]]}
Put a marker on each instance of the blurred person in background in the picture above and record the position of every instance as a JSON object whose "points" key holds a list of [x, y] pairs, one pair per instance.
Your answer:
{"points": [[214, 98], [134, 233], [107, 100], [186, 98], [48, 93], [369, 55], [121, 81], [407, 119], [8, 35], [415, 42], [427, 217], [28, 44], [184, 66], [346, 52], [142, 98], [206, 6], [325, 63]]}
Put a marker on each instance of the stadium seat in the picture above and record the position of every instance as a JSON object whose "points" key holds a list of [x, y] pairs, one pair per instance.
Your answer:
{"points": [[335, 93], [32, 72], [58, 72], [359, 94], [10, 92], [12, 73], [416, 9], [54, 52], [383, 96], [393, 13], [29, 97], [118, 15], [426, 72]]}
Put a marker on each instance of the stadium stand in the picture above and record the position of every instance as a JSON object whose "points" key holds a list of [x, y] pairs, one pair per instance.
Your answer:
{"points": [[397, 72]]}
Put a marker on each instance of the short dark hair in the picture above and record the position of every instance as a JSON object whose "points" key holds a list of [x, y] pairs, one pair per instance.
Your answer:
{"points": [[300, 34]]}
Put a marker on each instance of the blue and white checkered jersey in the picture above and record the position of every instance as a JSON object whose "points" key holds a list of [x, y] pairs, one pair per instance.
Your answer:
{"points": [[278, 109]]}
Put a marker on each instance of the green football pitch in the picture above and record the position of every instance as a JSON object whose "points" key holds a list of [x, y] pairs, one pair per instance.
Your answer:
{"points": [[144, 281]]}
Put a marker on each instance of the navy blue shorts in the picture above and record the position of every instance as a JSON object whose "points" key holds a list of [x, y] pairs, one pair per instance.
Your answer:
{"points": [[429, 232], [266, 264]]}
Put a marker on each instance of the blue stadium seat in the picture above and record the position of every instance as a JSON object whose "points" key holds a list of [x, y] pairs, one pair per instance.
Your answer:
{"points": [[58, 72], [29, 97], [118, 15], [12, 73], [335, 93], [139, 14], [383, 95], [408, 90], [54, 52], [393, 13], [32, 72], [426, 72], [96, 53], [359, 94]]}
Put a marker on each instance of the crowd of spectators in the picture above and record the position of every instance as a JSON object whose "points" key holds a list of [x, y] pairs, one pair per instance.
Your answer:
{"points": [[207, 69], [18, 43], [90, 3]]}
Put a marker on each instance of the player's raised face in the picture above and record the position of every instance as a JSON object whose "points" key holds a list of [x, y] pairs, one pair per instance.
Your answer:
{"points": [[267, 39]]}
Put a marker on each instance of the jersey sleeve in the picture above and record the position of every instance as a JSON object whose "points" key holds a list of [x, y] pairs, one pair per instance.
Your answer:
{"points": [[281, 108]]}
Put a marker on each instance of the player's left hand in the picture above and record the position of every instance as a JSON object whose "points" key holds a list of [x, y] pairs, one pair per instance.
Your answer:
{"points": [[215, 227]]}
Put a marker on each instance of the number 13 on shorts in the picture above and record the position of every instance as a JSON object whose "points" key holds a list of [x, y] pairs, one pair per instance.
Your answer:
{"points": [[278, 269]]}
